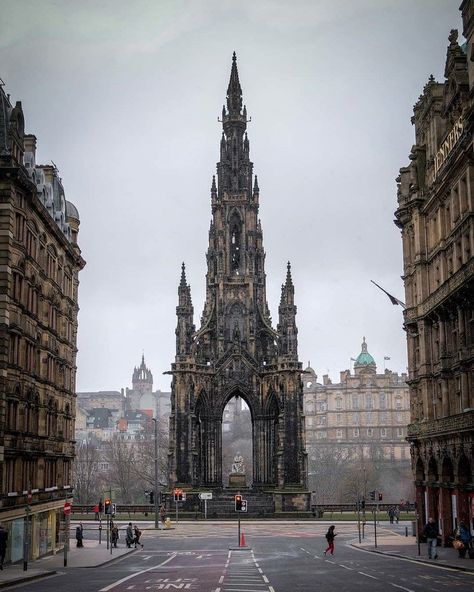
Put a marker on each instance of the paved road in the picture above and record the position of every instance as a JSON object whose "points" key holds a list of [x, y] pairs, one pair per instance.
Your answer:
{"points": [[281, 558]]}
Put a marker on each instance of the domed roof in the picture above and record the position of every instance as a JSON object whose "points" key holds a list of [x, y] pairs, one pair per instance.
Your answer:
{"points": [[309, 370], [364, 358], [71, 211]]}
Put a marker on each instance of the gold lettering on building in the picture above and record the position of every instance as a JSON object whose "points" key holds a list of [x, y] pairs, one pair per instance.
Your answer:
{"points": [[448, 145]]}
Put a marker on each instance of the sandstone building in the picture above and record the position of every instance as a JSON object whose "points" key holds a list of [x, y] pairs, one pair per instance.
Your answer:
{"points": [[40, 263], [435, 215], [125, 408], [358, 422]]}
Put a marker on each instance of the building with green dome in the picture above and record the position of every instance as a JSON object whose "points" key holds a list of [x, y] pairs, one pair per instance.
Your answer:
{"points": [[356, 430]]}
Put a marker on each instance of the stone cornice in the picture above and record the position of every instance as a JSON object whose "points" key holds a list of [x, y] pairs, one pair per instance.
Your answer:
{"points": [[454, 424]]}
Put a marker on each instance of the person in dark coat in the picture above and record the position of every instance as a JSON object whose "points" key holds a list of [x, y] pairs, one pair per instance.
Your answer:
{"points": [[431, 532], [79, 536], [330, 535], [462, 534], [3, 545]]}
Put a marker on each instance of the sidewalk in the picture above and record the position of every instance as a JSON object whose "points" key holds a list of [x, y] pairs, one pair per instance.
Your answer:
{"points": [[91, 555], [397, 545]]}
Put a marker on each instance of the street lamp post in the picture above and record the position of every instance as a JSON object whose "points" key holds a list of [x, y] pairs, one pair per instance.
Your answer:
{"points": [[155, 421]]}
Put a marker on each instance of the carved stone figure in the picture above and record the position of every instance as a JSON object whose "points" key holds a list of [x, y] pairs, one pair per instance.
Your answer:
{"points": [[238, 464]]}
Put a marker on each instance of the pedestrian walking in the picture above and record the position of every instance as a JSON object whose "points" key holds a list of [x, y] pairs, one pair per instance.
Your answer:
{"points": [[79, 535], [391, 514], [114, 535], [330, 536], [138, 534], [397, 514], [96, 512], [162, 516], [3, 544], [462, 539], [431, 532], [129, 537]]}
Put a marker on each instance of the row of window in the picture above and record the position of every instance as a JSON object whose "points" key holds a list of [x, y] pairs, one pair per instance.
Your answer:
{"points": [[27, 295], [357, 432], [45, 256], [23, 474], [24, 416], [359, 418], [28, 356], [357, 402]]}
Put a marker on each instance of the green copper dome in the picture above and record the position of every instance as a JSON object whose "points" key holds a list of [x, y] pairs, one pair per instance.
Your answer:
{"points": [[364, 358]]}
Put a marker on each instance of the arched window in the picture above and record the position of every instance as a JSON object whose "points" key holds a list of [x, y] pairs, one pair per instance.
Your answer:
{"points": [[235, 243]]}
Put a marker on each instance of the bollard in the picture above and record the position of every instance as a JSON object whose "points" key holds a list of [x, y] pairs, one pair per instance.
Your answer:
{"points": [[406, 531]]}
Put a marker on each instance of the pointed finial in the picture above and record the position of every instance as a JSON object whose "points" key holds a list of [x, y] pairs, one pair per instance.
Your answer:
{"points": [[234, 91], [289, 281], [143, 357], [255, 185], [183, 275], [213, 186]]}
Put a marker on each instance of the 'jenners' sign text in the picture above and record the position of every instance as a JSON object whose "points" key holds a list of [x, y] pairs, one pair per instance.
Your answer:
{"points": [[448, 145]]}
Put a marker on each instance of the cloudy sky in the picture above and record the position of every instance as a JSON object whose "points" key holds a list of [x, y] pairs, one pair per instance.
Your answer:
{"points": [[124, 98]]}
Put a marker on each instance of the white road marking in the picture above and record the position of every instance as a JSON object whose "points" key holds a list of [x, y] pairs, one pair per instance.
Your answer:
{"points": [[368, 575], [402, 588], [221, 579], [145, 557], [107, 588], [265, 579], [345, 567]]}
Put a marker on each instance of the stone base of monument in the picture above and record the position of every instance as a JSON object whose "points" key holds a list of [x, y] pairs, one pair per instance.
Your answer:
{"points": [[237, 480]]}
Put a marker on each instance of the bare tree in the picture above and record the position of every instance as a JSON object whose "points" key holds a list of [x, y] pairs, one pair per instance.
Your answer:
{"points": [[121, 456], [86, 473], [143, 468]]}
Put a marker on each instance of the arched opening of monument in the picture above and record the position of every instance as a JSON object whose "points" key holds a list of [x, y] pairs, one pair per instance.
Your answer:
{"points": [[237, 452]]}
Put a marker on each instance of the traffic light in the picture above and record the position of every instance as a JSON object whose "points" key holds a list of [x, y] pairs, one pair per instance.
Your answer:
{"points": [[372, 495], [108, 504], [362, 504], [380, 497], [179, 495], [114, 509], [152, 497], [238, 503], [101, 506]]}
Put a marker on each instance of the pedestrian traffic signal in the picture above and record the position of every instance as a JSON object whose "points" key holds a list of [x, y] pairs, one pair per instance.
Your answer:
{"points": [[372, 495], [179, 495], [380, 497], [238, 503], [152, 497], [108, 504], [114, 509], [101, 507]]}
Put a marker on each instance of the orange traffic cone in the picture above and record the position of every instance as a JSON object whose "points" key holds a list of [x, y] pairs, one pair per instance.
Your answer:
{"points": [[242, 540]]}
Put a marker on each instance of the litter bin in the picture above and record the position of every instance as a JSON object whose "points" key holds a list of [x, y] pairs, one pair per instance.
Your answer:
{"points": [[413, 528]]}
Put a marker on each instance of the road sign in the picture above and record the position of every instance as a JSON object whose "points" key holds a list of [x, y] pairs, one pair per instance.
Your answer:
{"points": [[67, 508], [207, 495]]}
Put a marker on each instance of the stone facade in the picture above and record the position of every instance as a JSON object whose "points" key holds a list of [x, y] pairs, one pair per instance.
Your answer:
{"points": [[125, 406], [363, 417], [40, 263], [236, 351], [435, 215]]}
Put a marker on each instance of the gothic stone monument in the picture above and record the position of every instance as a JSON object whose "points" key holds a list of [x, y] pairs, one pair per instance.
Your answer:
{"points": [[236, 351]]}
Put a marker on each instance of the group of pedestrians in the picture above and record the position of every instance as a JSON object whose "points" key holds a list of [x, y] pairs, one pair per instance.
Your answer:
{"points": [[461, 539], [132, 537], [393, 514]]}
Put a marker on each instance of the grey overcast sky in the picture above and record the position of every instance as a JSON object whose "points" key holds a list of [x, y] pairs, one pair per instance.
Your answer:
{"points": [[124, 98]]}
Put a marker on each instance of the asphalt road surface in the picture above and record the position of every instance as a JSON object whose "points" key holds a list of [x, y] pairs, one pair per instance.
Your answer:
{"points": [[280, 558]]}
